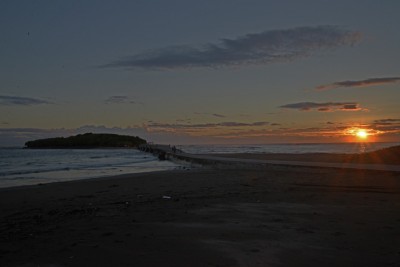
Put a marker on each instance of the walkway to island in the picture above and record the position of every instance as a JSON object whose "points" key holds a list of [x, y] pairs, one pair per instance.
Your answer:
{"points": [[168, 152]]}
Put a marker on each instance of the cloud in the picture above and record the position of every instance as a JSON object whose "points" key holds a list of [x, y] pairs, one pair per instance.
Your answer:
{"points": [[206, 125], [225, 132], [361, 83], [251, 49], [218, 115], [119, 99], [387, 125], [387, 121], [324, 107], [21, 101], [209, 131], [210, 114]]}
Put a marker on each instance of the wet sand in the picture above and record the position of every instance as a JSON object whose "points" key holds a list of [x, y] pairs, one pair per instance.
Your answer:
{"points": [[270, 216]]}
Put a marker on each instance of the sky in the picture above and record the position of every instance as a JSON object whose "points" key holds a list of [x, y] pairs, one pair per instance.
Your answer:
{"points": [[201, 72]]}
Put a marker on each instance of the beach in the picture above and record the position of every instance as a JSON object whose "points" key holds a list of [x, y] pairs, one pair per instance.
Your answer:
{"points": [[246, 216]]}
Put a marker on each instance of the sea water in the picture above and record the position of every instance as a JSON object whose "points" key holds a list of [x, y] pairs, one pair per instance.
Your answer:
{"points": [[347, 148], [34, 166]]}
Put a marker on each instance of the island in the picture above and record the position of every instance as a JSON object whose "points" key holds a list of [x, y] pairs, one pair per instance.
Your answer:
{"points": [[88, 140]]}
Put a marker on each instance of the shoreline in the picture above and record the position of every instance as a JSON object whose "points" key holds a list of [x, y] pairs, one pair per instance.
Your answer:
{"points": [[106, 176], [255, 160], [274, 216]]}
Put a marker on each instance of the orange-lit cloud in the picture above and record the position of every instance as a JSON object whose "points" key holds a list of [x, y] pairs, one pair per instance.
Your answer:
{"points": [[387, 129], [361, 83], [268, 131], [387, 125]]}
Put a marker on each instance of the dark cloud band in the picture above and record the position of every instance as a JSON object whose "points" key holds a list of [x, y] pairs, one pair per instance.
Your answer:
{"points": [[361, 83], [119, 99], [251, 49], [207, 125], [328, 106], [21, 101]]}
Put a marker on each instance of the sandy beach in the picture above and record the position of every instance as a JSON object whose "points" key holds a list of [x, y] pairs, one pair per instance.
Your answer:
{"points": [[269, 216]]}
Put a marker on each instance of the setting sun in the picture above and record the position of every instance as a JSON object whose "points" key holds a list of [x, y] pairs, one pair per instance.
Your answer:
{"points": [[356, 134], [362, 134]]}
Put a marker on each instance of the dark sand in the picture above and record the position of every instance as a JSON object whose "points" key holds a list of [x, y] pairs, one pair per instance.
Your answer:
{"points": [[272, 216]]}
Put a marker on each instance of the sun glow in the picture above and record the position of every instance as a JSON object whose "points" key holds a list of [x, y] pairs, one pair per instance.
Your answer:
{"points": [[362, 134]]}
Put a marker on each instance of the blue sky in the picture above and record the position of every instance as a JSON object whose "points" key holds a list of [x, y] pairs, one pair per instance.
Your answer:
{"points": [[200, 71]]}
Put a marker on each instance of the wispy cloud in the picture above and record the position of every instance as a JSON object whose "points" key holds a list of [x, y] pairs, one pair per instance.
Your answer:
{"points": [[387, 125], [218, 115], [211, 114], [284, 132], [361, 83], [205, 130], [120, 99], [251, 49], [231, 132], [21, 101], [324, 107], [387, 121], [207, 125]]}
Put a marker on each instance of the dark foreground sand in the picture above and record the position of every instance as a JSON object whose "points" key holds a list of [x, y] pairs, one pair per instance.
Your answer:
{"points": [[274, 216]]}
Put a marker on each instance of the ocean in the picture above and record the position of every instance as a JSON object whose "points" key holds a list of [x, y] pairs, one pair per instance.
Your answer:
{"points": [[348, 148], [35, 166]]}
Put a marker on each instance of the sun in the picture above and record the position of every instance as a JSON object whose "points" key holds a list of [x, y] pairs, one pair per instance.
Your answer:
{"points": [[362, 134]]}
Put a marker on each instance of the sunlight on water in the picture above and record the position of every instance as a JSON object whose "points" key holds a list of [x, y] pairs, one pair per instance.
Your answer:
{"points": [[347, 148]]}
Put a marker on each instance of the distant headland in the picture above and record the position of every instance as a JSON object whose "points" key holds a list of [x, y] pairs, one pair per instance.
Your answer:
{"points": [[87, 140]]}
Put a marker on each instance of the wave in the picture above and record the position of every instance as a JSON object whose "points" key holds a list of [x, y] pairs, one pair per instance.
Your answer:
{"points": [[19, 165]]}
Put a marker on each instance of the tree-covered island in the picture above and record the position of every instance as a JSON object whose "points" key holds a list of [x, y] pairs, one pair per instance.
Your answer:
{"points": [[87, 140]]}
